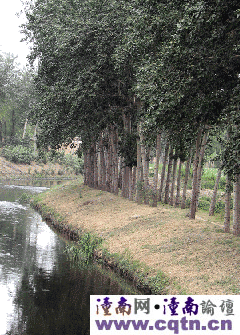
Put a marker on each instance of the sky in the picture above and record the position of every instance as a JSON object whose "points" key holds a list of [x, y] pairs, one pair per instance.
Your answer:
{"points": [[10, 35]]}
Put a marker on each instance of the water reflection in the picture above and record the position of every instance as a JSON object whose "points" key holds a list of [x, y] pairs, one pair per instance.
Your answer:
{"points": [[41, 291]]}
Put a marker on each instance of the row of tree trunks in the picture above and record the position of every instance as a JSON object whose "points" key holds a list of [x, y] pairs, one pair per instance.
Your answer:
{"points": [[104, 170]]}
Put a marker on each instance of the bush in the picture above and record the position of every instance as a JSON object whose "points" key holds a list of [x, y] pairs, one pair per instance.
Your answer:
{"points": [[18, 154], [24, 199], [208, 184], [220, 206], [74, 162], [56, 156], [204, 205]]}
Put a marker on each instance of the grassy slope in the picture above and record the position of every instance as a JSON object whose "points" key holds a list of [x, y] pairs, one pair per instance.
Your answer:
{"points": [[196, 256]]}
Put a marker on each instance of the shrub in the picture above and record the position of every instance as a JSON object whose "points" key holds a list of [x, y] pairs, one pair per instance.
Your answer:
{"points": [[74, 162], [208, 184], [220, 206], [60, 172], [71, 161], [25, 198], [204, 205], [18, 154]]}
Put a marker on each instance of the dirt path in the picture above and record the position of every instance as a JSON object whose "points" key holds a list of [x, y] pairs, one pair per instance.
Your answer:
{"points": [[195, 254]]}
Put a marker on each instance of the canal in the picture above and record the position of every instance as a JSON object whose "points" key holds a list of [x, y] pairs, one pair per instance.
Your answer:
{"points": [[42, 291]]}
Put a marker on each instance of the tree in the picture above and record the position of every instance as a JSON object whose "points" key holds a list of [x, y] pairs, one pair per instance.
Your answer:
{"points": [[17, 96]]}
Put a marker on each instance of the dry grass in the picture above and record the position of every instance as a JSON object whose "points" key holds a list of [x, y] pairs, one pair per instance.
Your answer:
{"points": [[197, 256], [11, 170]]}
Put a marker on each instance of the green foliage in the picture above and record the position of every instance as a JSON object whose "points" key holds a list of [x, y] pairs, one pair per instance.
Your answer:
{"points": [[159, 283], [85, 248], [128, 149], [70, 161], [16, 96], [24, 199], [208, 184], [203, 204], [180, 59], [74, 162], [18, 154], [89, 243]]}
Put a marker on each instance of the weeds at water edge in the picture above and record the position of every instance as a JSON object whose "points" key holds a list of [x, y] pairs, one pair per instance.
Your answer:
{"points": [[84, 249]]}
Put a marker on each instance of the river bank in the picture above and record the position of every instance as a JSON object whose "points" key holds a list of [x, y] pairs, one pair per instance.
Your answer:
{"points": [[158, 248]]}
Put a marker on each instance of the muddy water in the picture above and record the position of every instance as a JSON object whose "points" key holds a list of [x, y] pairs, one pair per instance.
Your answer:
{"points": [[41, 291]]}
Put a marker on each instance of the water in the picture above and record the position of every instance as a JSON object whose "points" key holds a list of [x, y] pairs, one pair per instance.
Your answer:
{"points": [[42, 292]]}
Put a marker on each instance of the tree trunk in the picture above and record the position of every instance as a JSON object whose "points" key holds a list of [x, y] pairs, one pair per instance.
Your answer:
{"points": [[155, 178], [130, 196], [145, 169], [91, 167], [85, 167], [95, 162], [214, 196], [127, 184], [13, 125], [187, 169], [195, 178], [177, 202], [134, 180], [236, 206], [24, 129], [5, 131], [168, 180], [227, 205], [139, 180], [199, 170], [147, 161], [35, 140], [1, 137], [163, 172], [173, 181], [101, 158], [124, 182], [115, 161], [120, 173]]}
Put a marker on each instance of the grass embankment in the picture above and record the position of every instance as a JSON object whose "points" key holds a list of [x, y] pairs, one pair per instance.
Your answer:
{"points": [[159, 248], [34, 170]]}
